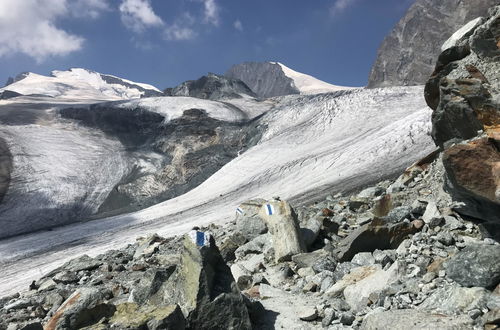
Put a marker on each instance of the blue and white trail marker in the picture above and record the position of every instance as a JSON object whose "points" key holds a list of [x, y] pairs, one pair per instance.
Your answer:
{"points": [[200, 238], [269, 209]]}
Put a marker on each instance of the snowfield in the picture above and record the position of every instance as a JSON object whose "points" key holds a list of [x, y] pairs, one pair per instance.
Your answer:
{"points": [[79, 84], [313, 145], [308, 85]]}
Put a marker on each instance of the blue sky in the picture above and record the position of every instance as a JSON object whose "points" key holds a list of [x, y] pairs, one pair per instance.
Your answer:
{"points": [[165, 42]]}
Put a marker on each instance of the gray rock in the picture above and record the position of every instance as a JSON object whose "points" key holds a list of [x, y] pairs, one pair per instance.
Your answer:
{"points": [[445, 238], [384, 257], [328, 318], [309, 259], [82, 263], [151, 287], [431, 212], [453, 223], [371, 192], [260, 244], [310, 228], [308, 314], [29, 325], [84, 307], [399, 214], [402, 319], [248, 221], [475, 266], [363, 259], [451, 300], [374, 236], [358, 295], [66, 277], [347, 318], [283, 225], [203, 286]]}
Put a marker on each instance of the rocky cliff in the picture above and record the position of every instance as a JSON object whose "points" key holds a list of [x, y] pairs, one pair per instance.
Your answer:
{"points": [[264, 78], [211, 87], [408, 53], [464, 92]]}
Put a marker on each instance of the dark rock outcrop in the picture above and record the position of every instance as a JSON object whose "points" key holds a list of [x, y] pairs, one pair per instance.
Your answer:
{"points": [[264, 78], [212, 87], [464, 92], [407, 54], [476, 266], [6, 94]]}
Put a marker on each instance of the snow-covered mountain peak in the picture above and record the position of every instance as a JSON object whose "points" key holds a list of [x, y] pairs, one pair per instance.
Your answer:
{"points": [[307, 84], [80, 84]]}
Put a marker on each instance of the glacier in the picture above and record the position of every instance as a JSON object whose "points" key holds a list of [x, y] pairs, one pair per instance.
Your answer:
{"points": [[312, 146]]}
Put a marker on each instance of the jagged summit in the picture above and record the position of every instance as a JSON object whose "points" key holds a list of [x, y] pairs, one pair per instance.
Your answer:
{"points": [[212, 87], [268, 79], [78, 83]]}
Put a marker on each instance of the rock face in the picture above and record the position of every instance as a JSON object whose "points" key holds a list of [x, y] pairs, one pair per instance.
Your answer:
{"points": [[464, 91], [212, 87], [407, 54], [6, 94], [264, 79]]}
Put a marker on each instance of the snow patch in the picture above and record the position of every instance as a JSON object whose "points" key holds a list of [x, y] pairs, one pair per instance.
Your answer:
{"points": [[307, 84]]}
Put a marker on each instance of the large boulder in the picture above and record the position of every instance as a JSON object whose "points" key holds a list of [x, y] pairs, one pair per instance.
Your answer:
{"points": [[358, 294], [132, 316], [203, 286], [248, 221], [283, 225], [375, 235], [475, 266], [86, 306], [452, 300]]}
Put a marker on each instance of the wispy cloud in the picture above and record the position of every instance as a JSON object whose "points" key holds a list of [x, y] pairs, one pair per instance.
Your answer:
{"points": [[29, 27], [138, 15], [238, 25], [340, 6], [211, 12], [89, 8], [181, 29]]}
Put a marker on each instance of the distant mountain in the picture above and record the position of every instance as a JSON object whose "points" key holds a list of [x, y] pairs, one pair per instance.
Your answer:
{"points": [[268, 79], [80, 84], [211, 87], [407, 55]]}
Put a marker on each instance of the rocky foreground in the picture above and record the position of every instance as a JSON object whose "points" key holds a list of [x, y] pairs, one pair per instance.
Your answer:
{"points": [[394, 255], [418, 252]]}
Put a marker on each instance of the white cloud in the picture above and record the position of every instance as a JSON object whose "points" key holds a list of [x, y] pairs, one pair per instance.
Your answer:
{"points": [[89, 8], [340, 5], [176, 32], [238, 25], [211, 12], [182, 29], [28, 27], [138, 15]]}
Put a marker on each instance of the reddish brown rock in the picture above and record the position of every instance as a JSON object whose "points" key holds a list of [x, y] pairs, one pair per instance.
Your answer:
{"points": [[475, 167]]}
